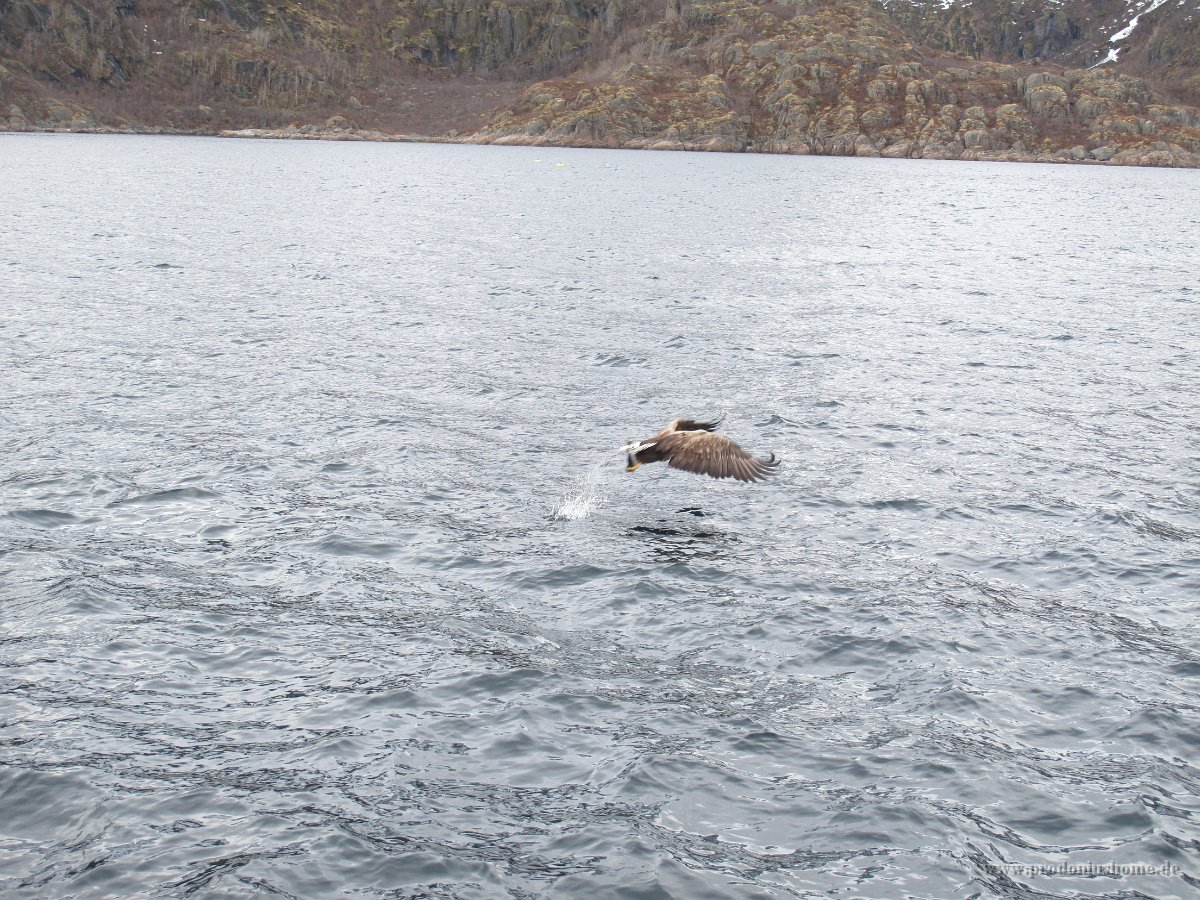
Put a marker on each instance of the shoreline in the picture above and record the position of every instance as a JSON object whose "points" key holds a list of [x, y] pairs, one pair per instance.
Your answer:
{"points": [[1153, 157]]}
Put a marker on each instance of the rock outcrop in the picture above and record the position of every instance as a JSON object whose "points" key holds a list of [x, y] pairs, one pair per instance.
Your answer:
{"points": [[892, 78]]}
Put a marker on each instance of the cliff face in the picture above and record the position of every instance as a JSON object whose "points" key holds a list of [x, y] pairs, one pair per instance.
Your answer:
{"points": [[429, 65], [1154, 38], [1001, 79]]}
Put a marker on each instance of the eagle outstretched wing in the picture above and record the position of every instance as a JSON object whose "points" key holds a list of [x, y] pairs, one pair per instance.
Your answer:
{"points": [[704, 453]]}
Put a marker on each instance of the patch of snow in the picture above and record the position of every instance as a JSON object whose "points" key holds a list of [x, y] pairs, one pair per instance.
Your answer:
{"points": [[1128, 29]]}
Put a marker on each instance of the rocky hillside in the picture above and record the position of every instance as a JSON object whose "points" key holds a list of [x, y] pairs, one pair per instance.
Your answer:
{"points": [[1155, 38], [1077, 80]]}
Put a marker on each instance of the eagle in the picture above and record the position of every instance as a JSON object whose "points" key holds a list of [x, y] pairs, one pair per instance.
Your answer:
{"points": [[693, 447]]}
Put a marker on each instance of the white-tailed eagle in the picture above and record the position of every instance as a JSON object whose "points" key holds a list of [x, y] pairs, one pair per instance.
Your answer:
{"points": [[693, 447]]}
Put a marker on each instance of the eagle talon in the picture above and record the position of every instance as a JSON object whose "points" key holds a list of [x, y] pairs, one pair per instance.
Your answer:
{"points": [[633, 468]]}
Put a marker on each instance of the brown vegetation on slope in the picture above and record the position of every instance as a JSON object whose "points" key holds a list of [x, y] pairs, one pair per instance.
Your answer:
{"points": [[839, 78], [807, 76]]}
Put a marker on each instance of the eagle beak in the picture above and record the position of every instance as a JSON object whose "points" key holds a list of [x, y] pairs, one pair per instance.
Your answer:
{"points": [[633, 468]]}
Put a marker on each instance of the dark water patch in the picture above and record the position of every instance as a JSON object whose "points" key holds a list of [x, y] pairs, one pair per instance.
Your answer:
{"points": [[898, 503], [341, 545], [1152, 526], [42, 518], [618, 361], [773, 420], [169, 497]]}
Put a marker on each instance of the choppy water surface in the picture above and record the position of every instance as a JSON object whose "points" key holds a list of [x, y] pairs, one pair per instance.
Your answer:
{"points": [[321, 573]]}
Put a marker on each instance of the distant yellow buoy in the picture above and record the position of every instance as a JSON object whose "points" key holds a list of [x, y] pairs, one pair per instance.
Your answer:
{"points": [[559, 165]]}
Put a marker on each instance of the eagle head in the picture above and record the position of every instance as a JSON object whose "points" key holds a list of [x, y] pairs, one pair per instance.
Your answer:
{"points": [[632, 449]]}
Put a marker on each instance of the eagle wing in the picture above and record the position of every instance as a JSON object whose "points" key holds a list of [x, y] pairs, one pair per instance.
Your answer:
{"points": [[714, 455], [693, 425]]}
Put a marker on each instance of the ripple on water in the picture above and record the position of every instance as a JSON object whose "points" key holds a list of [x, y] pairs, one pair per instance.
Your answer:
{"points": [[42, 518]]}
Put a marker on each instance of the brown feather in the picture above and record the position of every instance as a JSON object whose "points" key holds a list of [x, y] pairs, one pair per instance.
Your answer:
{"points": [[692, 425], [705, 453]]}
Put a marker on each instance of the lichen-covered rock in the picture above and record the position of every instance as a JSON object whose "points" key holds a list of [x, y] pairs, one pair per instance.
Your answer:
{"points": [[1047, 100], [977, 139], [864, 146], [1013, 128]]}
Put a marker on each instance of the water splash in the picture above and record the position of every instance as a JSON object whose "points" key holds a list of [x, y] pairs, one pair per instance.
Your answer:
{"points": [[587, 495]]}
